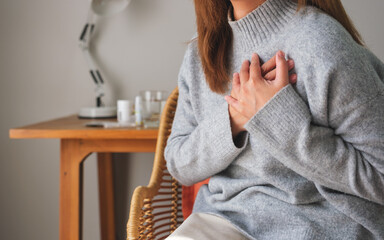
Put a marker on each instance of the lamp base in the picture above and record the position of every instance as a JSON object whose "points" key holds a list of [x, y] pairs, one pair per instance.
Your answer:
{"points": [[98, 112]]}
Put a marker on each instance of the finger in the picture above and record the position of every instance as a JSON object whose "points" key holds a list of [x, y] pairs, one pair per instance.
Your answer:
{"points": [[281, 67], [255, 71], [268, 66], [233, 103], [236, 81], [271, 65], [235, 85], [244, 72], [291, 64], [271, 75], [293, 78]]}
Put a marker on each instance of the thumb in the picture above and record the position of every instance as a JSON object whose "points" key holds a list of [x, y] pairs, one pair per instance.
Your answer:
{"points": [[233, 102], [281, 67]]}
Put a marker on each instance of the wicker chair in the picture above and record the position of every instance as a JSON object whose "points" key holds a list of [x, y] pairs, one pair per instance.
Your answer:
{"points": [[156, 209]]}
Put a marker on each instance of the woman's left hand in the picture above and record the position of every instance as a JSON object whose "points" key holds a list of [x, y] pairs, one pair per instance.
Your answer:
{"points": [[254, 91]]}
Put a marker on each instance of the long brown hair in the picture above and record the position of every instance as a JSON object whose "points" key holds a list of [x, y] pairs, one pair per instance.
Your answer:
{"points": [[215, 36]]}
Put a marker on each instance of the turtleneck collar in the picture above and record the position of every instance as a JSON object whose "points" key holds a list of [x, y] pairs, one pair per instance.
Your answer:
{"points": [[267, 19]]}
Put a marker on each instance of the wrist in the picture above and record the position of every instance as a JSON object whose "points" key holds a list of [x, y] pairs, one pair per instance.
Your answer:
{"points": [[236, 130], [237, 123]]}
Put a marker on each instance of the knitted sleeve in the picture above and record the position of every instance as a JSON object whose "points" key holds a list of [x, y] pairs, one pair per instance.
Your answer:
{"points": [[347, 155], [198, 150]]}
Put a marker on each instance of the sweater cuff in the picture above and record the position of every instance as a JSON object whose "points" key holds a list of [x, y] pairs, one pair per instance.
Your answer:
{"points": [[221, 126], [280, 117]]}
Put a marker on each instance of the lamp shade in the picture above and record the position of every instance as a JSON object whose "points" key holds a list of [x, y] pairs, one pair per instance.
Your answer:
{"points": [[108, 7]]}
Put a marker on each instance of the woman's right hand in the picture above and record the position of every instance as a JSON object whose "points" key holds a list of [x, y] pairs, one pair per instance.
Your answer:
{"points": [[268, 70]]}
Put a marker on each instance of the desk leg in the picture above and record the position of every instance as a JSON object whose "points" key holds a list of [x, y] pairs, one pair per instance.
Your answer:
{"points": [[71, 184], [107, 209]]}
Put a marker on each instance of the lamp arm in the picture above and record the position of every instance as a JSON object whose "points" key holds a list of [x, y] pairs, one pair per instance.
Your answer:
{"points": [[85, 39]]}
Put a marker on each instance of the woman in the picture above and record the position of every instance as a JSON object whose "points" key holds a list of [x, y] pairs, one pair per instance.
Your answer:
{"points": [[286, 161]]}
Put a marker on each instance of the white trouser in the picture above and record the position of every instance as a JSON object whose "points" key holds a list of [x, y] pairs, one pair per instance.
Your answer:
{"points": [[202, 226]]}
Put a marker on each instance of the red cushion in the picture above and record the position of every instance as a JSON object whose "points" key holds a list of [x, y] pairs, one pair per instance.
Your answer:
{"points": [[188, 196]]}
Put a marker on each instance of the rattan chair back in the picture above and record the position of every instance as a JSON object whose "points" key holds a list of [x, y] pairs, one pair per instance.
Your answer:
{"points": [[156, 209]]}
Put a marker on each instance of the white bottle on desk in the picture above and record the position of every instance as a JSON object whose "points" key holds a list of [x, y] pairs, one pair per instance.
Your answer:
{"points": [[139, 110]]}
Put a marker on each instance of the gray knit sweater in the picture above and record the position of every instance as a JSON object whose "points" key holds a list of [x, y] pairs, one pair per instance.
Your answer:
{"points": [[311, 164]]}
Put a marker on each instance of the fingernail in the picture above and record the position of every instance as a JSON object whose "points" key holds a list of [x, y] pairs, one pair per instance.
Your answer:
{"points": [[290, 63], [281, 54]]}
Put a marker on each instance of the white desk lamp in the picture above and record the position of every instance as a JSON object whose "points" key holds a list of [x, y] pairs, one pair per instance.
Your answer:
{"points": [[101, 8]]}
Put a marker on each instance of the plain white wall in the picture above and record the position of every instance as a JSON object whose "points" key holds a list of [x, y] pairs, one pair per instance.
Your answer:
{"points": [[44, 76]]}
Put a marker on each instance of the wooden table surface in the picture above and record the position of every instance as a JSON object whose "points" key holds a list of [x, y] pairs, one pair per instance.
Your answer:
{"points": [[76, 143], [73, 127]]}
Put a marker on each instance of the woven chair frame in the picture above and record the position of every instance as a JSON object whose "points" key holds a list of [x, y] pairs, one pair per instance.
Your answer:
{"points": [[155, 210]]}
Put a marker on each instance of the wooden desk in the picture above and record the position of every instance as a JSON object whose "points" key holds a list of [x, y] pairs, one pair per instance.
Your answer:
{"points": [[77, 142]]}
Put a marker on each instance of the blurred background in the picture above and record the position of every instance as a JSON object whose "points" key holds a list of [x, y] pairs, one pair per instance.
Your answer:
{"points": [[43, 75]]}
